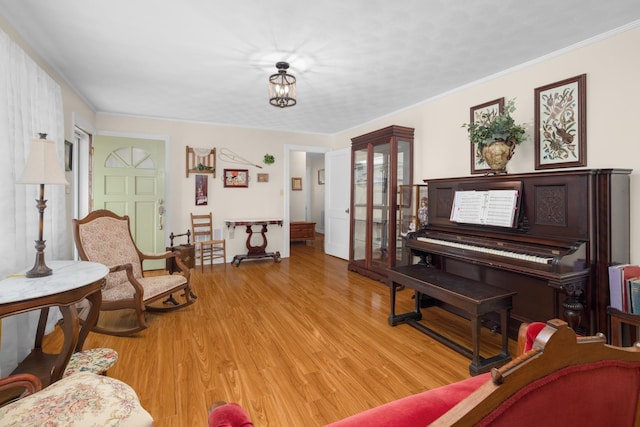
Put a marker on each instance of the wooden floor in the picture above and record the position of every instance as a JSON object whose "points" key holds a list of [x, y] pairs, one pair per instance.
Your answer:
{"points": [[300, 343]]}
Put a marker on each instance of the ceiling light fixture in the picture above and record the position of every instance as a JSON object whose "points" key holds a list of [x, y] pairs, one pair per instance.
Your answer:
{"points": [[282, 87]]}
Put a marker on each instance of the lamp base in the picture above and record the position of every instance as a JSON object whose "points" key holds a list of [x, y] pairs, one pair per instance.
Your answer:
{"points": [[39, 269]]}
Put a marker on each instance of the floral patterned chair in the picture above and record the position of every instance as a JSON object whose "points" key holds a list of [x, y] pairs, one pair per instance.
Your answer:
{"points": [[104, 237], [96, 360], [82, 399]]}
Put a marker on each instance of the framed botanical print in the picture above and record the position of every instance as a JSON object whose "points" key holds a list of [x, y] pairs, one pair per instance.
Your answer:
{"points": [[560, 124], [483, 113]]}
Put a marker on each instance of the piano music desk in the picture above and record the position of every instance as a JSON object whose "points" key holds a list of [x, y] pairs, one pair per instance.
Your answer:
{"points": [[472, 297]]}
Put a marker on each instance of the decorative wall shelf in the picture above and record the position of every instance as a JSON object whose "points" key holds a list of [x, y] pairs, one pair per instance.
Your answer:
{"points": [[201, 160]]}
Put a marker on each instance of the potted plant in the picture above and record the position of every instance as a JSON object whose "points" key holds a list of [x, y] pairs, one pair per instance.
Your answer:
{"points": [[268, 159], [495, 136]]}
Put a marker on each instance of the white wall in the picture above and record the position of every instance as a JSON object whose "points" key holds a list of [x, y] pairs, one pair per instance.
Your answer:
{"points": [[612, 65], [259, 200]]}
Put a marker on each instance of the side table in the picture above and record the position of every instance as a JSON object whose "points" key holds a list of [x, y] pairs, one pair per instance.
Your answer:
{"points": [[70, 283], [619, 318], [259, 250], [187, 254]]}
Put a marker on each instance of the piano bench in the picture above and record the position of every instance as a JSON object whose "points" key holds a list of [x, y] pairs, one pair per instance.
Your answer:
{"points": [[473, 298]]}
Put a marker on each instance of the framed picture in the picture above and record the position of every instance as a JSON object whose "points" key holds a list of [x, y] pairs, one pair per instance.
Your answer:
{"points": [[561, 124], [405, 196], [296, 184], [202, 196], [263, 177], [321, 177], [481, 114], [68, 155], [236, 177]]}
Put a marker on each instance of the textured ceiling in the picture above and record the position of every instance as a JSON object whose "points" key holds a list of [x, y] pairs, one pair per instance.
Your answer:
{"points": [[355, 60]]}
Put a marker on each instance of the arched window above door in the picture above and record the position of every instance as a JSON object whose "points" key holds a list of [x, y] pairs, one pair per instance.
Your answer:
{"points": [[129, 157]]}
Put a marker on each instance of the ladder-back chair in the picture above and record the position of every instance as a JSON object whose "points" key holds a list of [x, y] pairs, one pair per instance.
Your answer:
{"points": [[207, 248], [105, 237]]}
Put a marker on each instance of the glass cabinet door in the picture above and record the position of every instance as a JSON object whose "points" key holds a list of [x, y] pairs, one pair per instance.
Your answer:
{"points": [[359, 210], [404, 164], [380, 207]]}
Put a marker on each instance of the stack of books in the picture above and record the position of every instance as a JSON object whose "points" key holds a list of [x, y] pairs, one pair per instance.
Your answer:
{"points": [[624, 287]]}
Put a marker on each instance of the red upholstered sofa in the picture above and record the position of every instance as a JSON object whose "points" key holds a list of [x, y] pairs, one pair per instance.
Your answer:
{"points": [[563, 380]]}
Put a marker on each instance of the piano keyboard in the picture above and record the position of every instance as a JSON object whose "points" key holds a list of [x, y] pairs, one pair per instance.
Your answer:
{"points": [[508, 254]]}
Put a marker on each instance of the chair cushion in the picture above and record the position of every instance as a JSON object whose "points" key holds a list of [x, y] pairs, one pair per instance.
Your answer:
{"points": [[153, 286], [417, 410], [96, 360], [83, 399]]}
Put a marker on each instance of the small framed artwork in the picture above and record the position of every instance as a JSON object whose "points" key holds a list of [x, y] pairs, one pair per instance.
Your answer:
{"points": [[483, 113], [296, 184], [236, 177], [321, 177], [68, 155], [561, 124], [202, 183], [263, 177]]}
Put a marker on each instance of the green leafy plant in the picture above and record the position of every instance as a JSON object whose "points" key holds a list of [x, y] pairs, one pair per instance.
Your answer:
{"points": [[202, 167], [496, 126], [269, 159]]}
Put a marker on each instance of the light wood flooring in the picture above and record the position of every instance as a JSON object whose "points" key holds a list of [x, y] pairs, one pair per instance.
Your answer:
{"points": [[303, 342]]}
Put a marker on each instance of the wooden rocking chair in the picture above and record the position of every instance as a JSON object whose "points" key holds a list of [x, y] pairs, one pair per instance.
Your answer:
{"points": [[104, 237]]}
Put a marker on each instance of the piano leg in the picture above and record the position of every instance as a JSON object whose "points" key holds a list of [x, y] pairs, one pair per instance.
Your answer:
{"points": [[573, 308]]}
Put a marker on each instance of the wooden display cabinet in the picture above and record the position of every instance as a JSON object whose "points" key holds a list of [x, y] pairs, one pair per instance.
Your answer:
{"points": [[412, 213], [413, 208], [380, 162]]}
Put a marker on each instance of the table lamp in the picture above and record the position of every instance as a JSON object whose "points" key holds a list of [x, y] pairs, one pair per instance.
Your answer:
{"points": [[42, 168]]}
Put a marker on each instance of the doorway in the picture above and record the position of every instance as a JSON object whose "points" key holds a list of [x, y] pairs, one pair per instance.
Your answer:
{"points": [[129, 179], [297, 204]]}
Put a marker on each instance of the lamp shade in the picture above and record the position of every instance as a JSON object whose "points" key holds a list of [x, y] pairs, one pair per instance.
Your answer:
{"points": [[43, 166]]}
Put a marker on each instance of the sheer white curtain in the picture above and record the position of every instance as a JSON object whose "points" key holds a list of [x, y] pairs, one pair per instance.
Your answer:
{"points": [[30, 102]]}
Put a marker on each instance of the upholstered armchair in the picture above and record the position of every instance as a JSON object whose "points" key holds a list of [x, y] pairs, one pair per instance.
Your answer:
{"points": [[82, 399], [104, 237]]}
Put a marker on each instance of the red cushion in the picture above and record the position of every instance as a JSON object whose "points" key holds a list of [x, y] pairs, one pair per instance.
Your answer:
{"points": [[533, 330], [417, 410], [596, 394]]}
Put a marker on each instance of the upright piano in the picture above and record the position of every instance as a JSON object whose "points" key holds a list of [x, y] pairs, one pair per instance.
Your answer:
{"points": [[568, 228]]}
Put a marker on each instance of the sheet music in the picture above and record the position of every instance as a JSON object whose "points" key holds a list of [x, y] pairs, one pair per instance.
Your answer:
{"points": [[493, 207]]}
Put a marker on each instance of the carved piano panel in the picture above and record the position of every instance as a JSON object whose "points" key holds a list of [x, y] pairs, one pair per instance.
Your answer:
{"points": [[564, 231]]}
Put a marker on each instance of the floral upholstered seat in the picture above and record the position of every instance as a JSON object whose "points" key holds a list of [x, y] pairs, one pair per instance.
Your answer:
{"points": [[96, 360], [104, 237], [83, 399]]}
